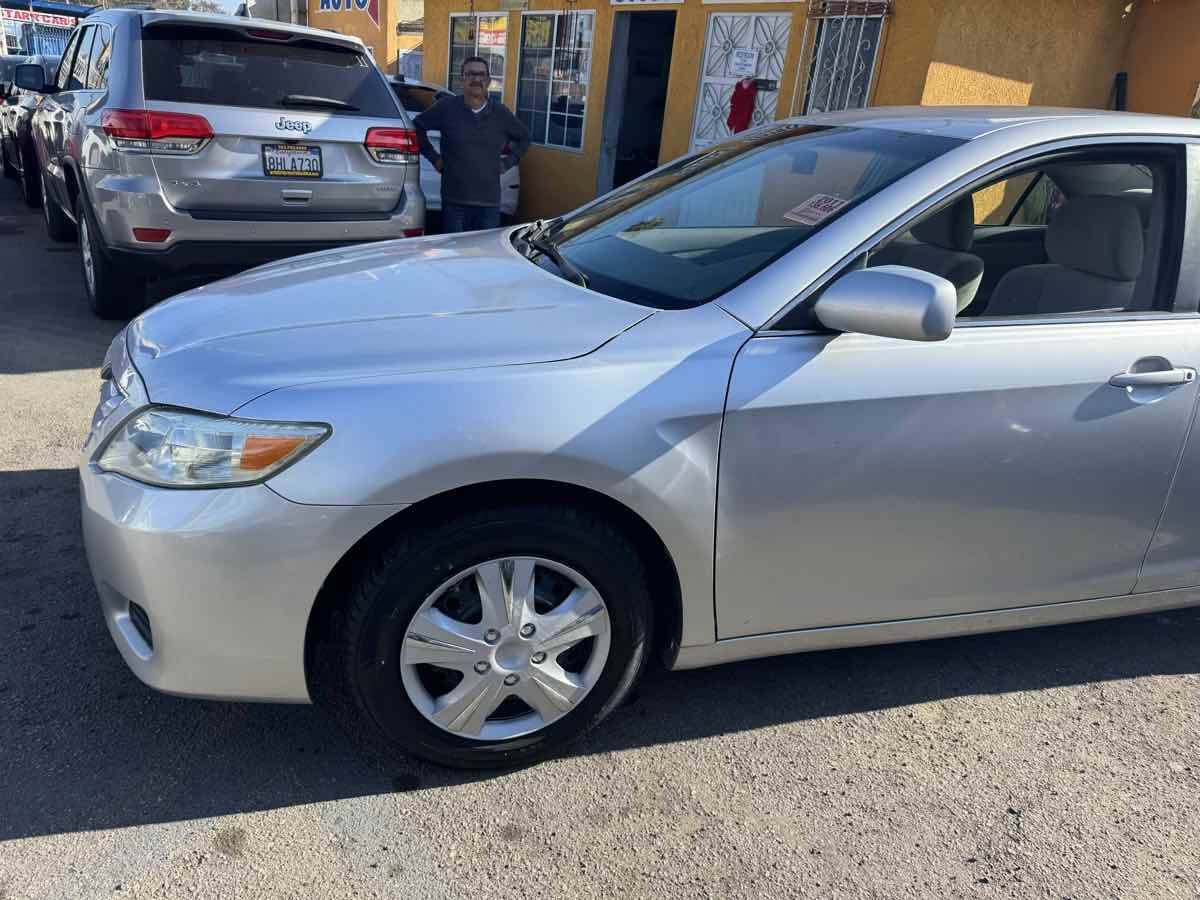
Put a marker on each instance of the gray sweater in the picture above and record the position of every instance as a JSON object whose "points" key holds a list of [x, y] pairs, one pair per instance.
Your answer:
{"points": [[471, 144]]}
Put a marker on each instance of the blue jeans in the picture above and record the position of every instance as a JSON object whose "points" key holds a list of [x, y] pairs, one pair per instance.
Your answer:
{"points": [[456, 217]]}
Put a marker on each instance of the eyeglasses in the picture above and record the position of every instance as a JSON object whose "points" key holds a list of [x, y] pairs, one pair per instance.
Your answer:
{"points": [[475, 75]]}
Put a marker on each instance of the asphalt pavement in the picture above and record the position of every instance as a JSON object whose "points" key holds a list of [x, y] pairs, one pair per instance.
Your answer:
{"points": [[1060, 762]]}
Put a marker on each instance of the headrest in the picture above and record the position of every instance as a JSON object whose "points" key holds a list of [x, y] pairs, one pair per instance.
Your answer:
{"points": [[1098, 235], [1143, 199], [952, 228]]}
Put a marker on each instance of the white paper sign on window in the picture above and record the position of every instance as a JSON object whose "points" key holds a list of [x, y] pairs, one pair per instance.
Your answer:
{"points": [[743, 62]]}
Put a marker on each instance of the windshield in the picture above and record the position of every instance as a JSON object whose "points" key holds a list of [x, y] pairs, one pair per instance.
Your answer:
{"points": [[692, 230]]}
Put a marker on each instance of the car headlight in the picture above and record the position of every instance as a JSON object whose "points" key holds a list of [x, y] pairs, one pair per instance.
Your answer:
{"points": [[175, 448]]}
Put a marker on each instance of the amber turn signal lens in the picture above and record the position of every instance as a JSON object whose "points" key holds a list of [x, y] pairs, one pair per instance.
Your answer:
{"points": [[263, 452]]}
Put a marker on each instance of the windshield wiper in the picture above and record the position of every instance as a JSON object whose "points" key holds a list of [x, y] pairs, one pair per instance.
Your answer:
{"points": [[547, 247], [543, 229], [309, 100]]}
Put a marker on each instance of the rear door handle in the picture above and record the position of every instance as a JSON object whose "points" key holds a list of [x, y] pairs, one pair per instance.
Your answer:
{"points": [[1161, 378]]}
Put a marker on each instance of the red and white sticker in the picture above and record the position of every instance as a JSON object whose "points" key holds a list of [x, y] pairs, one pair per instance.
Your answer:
{"points": [[815, 210]]}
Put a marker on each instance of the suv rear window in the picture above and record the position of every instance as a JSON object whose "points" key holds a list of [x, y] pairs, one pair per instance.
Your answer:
{"points": [[220, 67], [417, 99]]}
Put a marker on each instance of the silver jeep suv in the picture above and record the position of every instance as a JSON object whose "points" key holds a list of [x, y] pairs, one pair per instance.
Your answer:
{"points": [[180, 142]]}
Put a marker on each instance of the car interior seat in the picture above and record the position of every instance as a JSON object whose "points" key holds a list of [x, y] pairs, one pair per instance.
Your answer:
{"points": [[939, 245], [1095, 247]]}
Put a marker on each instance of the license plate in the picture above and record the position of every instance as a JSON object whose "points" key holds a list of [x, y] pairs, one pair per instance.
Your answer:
{"points": [[291, 160]]}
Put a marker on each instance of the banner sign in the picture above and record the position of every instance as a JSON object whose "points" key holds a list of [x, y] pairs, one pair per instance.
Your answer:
{"points": [[37, 18], [371, 7]]}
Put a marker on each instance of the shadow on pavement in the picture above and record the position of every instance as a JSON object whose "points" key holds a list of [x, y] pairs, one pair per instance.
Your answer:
{"points": [[47, 325], [87, 746]]}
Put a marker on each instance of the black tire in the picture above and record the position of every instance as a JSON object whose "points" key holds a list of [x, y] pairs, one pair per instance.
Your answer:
{"points": [[58, 226], [112, 292], [357, 673], [31, 183], [9, 170]]}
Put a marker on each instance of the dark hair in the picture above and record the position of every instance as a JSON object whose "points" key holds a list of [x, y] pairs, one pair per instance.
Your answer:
{"points": [[474, 59]]}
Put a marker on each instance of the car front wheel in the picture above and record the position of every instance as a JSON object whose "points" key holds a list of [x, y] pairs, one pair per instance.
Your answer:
{"points": [[492, 640], [112, 293]]}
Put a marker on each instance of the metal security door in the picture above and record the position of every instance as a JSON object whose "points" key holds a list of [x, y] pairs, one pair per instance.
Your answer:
{"points": [[844, 54], [765, 33]]}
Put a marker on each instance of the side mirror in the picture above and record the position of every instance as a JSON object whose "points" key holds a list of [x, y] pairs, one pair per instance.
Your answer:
{"points": [[32, 78], [890, 301]]}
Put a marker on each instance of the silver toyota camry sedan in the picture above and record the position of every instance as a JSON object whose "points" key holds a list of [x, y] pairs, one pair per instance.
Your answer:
{"points": [[851, 379]]}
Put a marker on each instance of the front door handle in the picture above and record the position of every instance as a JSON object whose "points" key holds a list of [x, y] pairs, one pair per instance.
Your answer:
{"points": [[1160, 378]]}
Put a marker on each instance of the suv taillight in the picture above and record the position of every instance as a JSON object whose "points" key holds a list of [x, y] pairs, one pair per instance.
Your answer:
{"points": [[155, 131], [394, 146]]}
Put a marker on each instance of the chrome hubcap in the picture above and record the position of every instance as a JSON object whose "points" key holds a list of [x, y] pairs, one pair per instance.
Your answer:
{"points": [[505, 648], [85, 247]]}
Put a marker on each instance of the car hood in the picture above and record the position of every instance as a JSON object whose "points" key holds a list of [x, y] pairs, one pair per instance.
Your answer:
{"points": [[420, 305]]}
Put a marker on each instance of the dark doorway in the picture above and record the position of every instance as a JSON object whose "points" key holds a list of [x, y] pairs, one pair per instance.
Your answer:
{"points": [[636, 98]]}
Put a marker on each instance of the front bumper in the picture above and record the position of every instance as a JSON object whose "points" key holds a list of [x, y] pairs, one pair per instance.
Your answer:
{"points": [[226, 577]]}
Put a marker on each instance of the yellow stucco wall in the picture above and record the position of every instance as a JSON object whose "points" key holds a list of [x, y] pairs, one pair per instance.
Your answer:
{"points": [[912, 31], [1163, 57], [1059, 53], [357, 23]]}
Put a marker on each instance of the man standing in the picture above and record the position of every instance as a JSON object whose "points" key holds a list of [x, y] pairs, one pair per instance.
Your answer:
{"points": [[474, 131]]}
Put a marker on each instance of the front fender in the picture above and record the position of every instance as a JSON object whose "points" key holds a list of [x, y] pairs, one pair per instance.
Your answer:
{"points": [[638, 420]]}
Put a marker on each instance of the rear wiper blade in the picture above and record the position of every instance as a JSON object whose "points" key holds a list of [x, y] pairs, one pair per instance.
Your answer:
{"points": [[548, 248], [309, 100]]}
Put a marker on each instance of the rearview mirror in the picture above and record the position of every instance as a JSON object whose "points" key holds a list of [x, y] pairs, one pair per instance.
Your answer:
{"points": [[890, 301], [32, 78]]}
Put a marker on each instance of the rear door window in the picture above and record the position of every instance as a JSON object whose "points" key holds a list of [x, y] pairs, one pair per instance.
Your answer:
{"points": [[78, 77], [221, 67], [64, 65], [416, 100], [101, 49]]}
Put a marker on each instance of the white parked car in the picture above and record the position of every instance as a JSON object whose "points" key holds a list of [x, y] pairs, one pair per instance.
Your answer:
{"points": [[418, 96]]}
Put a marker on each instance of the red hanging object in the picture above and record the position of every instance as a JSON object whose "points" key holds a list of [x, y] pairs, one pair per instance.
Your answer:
{"points": [[741, 105]]}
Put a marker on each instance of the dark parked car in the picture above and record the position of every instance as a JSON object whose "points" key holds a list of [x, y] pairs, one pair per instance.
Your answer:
{"points": [[16, 137]]}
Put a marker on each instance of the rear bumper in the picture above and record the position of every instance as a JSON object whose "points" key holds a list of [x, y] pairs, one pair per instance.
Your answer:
{"points": [[212, 257], [206, 243]]}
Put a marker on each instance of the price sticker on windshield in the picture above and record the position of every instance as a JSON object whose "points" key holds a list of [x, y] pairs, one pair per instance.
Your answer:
{"points": [[815, 210]]}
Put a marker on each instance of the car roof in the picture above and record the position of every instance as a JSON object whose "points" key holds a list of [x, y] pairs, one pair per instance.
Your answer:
{"points": [[971, 122], [149, 17]]}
